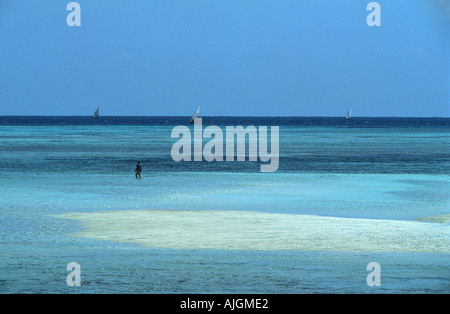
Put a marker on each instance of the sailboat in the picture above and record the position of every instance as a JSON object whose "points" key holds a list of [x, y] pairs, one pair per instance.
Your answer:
{"points": [[95, 115], [349, 114], [195, 115]]}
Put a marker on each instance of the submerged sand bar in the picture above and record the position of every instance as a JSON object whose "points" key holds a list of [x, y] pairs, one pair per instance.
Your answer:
{"points": [[238, 230]]}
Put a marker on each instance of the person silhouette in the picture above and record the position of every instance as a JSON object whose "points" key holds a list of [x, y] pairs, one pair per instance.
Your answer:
{"points": [[138, 170]]}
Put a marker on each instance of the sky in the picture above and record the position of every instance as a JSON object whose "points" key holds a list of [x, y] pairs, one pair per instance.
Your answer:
{"points": [[230, 57]]}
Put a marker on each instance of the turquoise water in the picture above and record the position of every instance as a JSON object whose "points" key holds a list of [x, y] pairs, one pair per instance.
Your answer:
{"points": [[368, 168]]}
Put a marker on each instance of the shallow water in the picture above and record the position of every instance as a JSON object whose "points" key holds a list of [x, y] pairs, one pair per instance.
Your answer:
{"points": [[384, 169]]}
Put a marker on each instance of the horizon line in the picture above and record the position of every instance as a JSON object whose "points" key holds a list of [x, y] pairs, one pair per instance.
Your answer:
{"points": [[227, 116]]}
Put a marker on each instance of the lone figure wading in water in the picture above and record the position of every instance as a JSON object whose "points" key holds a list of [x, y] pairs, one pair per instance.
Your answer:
{"points": [[138, 170]]}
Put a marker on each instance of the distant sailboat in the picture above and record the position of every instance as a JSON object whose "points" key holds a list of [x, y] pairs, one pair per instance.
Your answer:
{"points": [[349, 114], [96, 113], [195, 115]]}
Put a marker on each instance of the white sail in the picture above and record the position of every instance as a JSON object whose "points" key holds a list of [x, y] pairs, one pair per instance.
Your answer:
{"points": [[195, 115], [349, 114], [96, 113]]}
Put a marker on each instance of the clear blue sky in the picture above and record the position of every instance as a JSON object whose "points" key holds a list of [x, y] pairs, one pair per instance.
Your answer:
{"points": [[233, 57]]}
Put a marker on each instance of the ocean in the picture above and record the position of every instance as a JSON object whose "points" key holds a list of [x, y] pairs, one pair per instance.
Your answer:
{"points": [[371, 190]]}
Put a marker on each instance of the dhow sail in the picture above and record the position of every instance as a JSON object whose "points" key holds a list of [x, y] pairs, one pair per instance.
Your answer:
{"points": [[96, 113], [349, 114], [195, 115]]}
